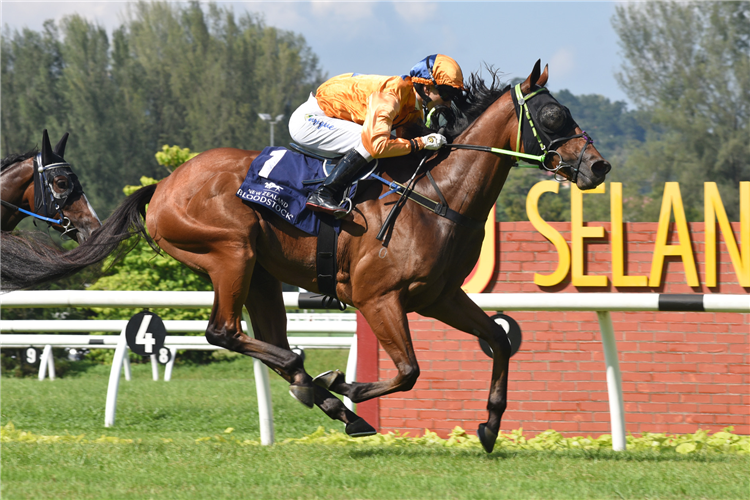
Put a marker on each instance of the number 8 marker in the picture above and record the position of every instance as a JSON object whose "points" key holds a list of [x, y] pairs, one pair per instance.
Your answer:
{"points": [[164, 356]]}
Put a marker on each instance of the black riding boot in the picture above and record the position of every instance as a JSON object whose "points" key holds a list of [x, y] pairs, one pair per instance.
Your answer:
{"points": [[327, 197]]}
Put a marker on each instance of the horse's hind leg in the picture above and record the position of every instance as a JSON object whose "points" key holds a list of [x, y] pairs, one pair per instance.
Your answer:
{"points": [[231, 282], [265, 303], [462, 313]]}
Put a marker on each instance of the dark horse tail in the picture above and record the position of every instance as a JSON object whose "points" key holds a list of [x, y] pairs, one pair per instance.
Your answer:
{"points": [[27, 263]]}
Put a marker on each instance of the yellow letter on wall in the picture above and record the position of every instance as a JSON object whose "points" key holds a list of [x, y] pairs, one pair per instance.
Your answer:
{"points": [[480, 277], [618, 241], [672, 201], [563, 252], [577, 234], [714, 209]]}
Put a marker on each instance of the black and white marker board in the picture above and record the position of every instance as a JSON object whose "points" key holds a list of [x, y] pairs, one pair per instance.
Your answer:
{"points": [[145, 334]]}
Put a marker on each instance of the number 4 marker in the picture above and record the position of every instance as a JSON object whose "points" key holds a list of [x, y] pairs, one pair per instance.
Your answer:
{"points": [[143, 337]]}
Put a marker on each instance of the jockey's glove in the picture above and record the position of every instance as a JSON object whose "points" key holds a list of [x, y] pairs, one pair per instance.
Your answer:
{"points": [[434, 142]]}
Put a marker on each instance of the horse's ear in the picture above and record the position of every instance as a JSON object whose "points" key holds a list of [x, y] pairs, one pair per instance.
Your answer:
{"points": [[533, 77], [46, 149], [60, 148], [542, 81]]}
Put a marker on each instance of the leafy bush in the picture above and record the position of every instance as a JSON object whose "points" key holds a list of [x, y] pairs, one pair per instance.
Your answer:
{"points": [[699, 442], [173, 157], [550, 440]]}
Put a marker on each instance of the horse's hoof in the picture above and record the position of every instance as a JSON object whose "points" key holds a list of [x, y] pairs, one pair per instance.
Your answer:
{"points": [[359, 428], [328, 378], [304, 394], [486, 437]]}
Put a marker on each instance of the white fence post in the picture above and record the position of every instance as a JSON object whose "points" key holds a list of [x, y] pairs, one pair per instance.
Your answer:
{"points": [[263, 391], [110, 407], [126, 367], [154, 367], [46, 362], [170, 364], [351, 370], [51, 364], [614, 381], [265, 407]]}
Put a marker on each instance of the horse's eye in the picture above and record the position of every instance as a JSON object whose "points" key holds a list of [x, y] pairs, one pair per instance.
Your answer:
{"points": [[552, 116], [62, 183]]}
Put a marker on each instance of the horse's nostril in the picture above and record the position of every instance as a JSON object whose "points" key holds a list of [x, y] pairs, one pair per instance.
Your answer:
{"points": [[601, 168]]}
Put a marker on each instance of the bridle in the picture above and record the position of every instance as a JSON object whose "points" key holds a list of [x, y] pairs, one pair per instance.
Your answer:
{"points": [[48, 203], [548, 149], [45, 196], [524, 111]]}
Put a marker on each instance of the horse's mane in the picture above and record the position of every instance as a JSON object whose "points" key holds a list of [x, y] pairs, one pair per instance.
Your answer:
{"points": [[478, 97], [16, 157]]}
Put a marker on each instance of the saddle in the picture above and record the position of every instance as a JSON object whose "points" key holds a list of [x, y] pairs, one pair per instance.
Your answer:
{"points": [[279, 180]]}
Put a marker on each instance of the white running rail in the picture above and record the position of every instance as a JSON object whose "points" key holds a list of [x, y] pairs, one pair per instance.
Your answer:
{"points": [[601, 303]]}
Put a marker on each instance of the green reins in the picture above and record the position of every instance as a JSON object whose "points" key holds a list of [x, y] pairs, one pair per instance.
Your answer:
{"points": [[523, 108]]}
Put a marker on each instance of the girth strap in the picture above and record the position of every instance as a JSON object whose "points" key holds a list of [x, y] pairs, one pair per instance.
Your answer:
{"points": [[326, 264]]}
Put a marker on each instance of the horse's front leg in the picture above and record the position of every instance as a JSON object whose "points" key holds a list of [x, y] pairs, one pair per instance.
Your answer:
{"points": [[387, 318], [460, 312]]}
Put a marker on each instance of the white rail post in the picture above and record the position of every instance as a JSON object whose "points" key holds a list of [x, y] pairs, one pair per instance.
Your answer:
{"points": [[265, 408], [126, 367], [154, 367], [263, 391], [51, 364], [110, 408], [44, 363], [614, 381], [170, 364], [351, 370]]}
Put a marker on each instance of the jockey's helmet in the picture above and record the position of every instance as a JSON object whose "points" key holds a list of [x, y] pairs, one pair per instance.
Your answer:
{"points": [[439, 70]]}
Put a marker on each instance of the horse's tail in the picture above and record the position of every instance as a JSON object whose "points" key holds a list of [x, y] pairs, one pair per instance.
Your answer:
{"points": [[28, 263]]}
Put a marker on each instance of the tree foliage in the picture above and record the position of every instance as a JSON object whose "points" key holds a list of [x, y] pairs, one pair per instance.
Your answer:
{"points": [[687, 68], [197, 75], [615, 130], [171, 73]]}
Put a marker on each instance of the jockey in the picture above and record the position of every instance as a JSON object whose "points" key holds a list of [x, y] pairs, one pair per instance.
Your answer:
{"points": [[353, 114]]}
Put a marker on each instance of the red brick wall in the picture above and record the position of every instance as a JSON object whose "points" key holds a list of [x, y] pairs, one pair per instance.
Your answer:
{"points": [[680, 371]]}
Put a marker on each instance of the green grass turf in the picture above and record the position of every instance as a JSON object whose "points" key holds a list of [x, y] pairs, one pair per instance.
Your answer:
{"points": [[198, 401], [203, 401]]}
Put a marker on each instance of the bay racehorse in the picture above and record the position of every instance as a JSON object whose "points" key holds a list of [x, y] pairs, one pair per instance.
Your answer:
{"points": [[41, 184], [246, 251]]}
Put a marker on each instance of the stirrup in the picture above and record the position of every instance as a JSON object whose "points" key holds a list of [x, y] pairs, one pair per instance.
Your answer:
{"points": [[342, 215]]}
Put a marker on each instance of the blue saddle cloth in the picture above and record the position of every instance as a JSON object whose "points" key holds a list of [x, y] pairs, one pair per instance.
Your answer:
{"points": [[274, 181]]}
